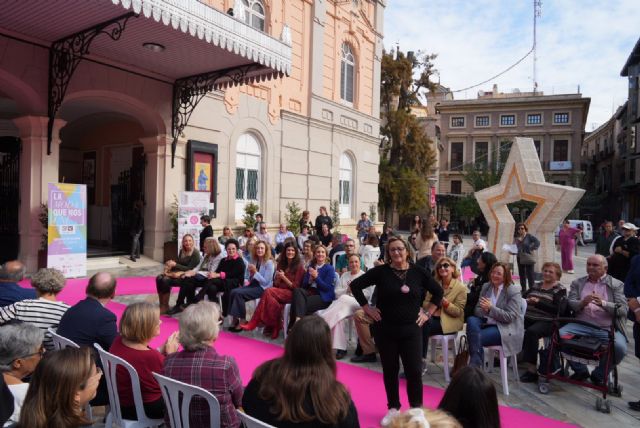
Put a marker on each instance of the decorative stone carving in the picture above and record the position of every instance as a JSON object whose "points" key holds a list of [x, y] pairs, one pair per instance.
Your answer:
{"points": [[523, 179]]}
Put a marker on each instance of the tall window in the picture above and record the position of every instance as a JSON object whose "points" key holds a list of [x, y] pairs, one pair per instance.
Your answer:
{"points": [[560, 150], [507, 120], [457, 156], [247, 172], [347, 73], [456, 187], [503, 152], [346, 188], [254, 14], [481, 154]]}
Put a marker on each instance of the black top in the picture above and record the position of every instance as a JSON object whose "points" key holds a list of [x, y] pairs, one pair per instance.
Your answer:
{"points": [[473, 295], [137, 221], [426, 263], [206, 233], [334, 250], [233, 269], [618, 263], [323, 219], [396, 306], [304, 222], [259, 409], [443, 234], [326, 240]]}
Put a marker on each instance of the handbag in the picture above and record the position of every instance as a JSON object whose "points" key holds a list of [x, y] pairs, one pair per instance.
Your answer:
{"points": [[528, 258], [461, 359]]}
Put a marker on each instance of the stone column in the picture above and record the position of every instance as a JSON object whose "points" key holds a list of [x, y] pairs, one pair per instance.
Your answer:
{"points": [[37, 169], [161, 183]]}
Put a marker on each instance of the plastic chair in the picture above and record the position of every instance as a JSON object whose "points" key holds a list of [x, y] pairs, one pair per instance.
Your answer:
{"points": [[109, 365], [177, 398], [251, 422], [334, 259], [444, 339], [370, 256], [488, 363]]}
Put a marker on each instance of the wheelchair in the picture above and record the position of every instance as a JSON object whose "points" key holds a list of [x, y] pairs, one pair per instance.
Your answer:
{"points": [[581, 349]]}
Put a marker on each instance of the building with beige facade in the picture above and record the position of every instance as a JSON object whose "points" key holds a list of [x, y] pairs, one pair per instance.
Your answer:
{"points": [[280, 100]]}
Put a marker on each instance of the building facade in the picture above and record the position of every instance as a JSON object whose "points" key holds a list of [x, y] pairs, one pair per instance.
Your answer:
{"points": [[290, 110]]}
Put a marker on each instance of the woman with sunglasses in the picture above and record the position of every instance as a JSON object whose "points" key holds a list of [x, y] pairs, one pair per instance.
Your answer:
{"points": [[398, 319], [448, 319]]}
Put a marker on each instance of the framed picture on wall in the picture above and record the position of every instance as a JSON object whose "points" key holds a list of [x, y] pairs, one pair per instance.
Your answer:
{"points": [[202, 170], [89, 175]]}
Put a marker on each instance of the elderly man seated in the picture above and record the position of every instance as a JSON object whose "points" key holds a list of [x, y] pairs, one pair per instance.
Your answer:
{"points": [[599, 299], [10, 292]]}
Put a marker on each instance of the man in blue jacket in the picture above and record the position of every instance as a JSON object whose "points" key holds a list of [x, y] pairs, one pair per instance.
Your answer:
{"points": [[10, 292]]}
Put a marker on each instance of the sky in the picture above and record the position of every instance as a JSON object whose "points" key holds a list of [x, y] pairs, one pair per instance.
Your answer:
{"points": [[580, 44]]}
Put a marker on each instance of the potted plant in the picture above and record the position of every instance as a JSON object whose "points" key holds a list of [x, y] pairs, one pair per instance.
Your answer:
{"points": [[43, 218], [170, 248], [249, 218], [293, 217]]}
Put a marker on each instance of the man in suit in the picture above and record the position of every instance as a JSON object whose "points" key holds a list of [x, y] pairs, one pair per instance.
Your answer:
{"points": [[89, 322], [10, 292], [632, 292]]}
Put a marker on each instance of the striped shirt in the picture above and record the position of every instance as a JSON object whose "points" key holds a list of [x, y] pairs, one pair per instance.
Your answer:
{"points": [[41, 312]]}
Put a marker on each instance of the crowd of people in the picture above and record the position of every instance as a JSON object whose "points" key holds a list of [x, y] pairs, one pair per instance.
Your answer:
{"points": [[409, 292]]}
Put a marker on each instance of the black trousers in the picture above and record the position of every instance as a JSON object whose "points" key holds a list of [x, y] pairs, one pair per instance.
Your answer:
{"points": [[527, 273], [154, 410], [304, 302], [395, 343], [210, 287], [433, 327], [534, 330], [636, 337], [164, 283]]}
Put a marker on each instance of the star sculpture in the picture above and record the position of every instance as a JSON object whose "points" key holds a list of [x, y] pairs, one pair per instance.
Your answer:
{"points": [[523, 179]]}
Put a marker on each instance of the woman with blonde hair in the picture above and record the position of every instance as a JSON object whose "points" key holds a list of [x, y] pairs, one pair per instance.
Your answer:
{"points": [[449, 318], [139, 324], [425, 239], [62, 384], [423, 418], [188, 258]]}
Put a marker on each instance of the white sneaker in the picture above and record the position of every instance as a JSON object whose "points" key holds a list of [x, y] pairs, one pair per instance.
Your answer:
{"points": [[571, 271], [386, 421]]}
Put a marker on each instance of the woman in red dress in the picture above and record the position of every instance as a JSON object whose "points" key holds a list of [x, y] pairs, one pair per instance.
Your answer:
{"points": [[289, 274]]}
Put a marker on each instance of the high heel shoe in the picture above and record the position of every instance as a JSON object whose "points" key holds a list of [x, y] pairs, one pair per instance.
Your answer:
{"points": [[251, 325], [275, 333]]}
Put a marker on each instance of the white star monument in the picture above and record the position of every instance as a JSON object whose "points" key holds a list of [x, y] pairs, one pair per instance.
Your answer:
{"points": [[522, 179]]}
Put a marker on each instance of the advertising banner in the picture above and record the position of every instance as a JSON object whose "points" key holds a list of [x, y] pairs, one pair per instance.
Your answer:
{"points": [[192, 206], [67, 229]]}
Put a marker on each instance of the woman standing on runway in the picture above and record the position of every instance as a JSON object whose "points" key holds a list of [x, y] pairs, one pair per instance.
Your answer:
{"points": [[401, 288]]}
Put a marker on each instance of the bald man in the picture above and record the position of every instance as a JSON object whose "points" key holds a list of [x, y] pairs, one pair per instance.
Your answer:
{"points": [[10, 292], [598, 298]]}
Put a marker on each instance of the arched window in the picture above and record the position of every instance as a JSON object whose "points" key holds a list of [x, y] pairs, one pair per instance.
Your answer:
{"points": [[248, 163], [347, 73], [346, 187], [254, 14]]}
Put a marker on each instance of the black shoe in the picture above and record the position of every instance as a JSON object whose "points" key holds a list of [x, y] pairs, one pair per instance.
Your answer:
{"points": [[175, 310], [529, 377], [595, 379], [340, 354], [137, 257], [133, 259], [358, 350], [235, 328], [580, 376], [365, 358], [634, 405]]}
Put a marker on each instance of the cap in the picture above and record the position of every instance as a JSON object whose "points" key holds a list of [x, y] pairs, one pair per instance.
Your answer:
{"points": [[629, 226]]}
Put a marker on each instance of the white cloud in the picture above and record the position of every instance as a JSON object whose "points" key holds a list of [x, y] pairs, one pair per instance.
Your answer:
{"points": [[580, 44]]}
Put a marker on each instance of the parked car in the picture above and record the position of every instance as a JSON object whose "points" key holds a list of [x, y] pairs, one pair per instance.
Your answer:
{"points": [[587, 229]]}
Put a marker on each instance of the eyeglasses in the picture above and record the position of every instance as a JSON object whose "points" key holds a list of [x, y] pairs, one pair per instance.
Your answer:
{"points": [[40, 353], [397, 249], [444, 266]]}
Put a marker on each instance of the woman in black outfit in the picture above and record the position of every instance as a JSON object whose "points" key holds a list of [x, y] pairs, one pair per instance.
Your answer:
{"points": [[401, 289], [323, 218], [485, 263], [300, 389]]}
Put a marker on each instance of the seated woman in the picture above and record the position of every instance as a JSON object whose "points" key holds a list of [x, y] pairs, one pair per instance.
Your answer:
{"points": [[288, 277], [139, 324], [498, 316], [485, 263], [313, 397], [199, 364], [61, 386], [190, 279], [543, 304], [317, 291], [246, 236], [20, 352], [370, 251], [228, 275], [188, 258], [307, 252], [344, 306], [260, 278], [449, 319], [226, 235]]}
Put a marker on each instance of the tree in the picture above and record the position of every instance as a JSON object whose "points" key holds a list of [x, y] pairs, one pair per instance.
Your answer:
{"points": [[293, 217], [407, 154]]}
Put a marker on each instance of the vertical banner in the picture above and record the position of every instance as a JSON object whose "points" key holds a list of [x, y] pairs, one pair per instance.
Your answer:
{"points": [[67, 231], [192, 206], [432, 196]]}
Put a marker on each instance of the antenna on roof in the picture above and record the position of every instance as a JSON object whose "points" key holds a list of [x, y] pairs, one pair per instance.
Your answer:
{"points": [[537, 12]]}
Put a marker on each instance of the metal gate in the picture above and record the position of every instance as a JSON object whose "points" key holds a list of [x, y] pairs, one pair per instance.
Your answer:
{"points": [[9, 198], [129, 189]]}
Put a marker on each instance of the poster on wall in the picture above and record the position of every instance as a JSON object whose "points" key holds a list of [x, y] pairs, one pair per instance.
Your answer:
{"points": [[201, 171], [67, 229], [192, 206]]}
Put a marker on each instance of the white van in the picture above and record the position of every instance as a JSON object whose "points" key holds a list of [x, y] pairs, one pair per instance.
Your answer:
{"points": [[587, 229]]}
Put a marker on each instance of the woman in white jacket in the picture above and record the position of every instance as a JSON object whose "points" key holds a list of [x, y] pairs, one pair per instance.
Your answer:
{"points": [[456, 251]]}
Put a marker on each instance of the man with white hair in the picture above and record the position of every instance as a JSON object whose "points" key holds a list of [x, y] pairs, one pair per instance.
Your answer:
{"points": [[623, 250], [599, 299]]}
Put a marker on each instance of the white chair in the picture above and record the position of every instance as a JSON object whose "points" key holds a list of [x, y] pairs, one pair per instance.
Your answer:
{"points": [[445, 340], [370, 256], [334, 259], [491, 350], [177, 398], [109, 365], [61, 342], [251, 422]]}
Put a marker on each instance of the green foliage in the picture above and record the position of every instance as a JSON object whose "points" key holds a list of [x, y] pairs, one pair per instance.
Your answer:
{"points": [[249, 218], [481, 176], [334, 207], [43, 218], [467, 207], [173, 218], [293, 217]]}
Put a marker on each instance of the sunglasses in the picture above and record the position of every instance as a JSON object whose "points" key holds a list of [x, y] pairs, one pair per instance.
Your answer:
{"points": [[444, 266]]}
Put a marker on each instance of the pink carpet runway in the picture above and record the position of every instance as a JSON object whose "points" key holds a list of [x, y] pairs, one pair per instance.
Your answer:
{"points": [[366, 386]]}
